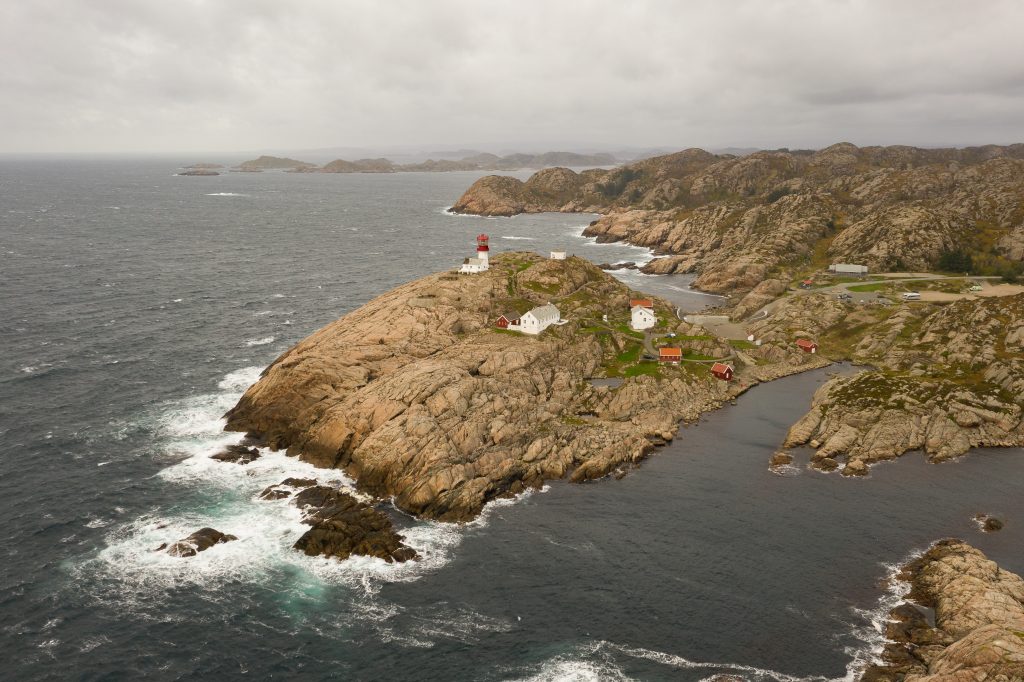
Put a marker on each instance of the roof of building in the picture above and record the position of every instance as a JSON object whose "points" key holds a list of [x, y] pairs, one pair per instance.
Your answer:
{"points": [[805, 343], [642, 302], [545, 313], [670, 351], [720, 367]]}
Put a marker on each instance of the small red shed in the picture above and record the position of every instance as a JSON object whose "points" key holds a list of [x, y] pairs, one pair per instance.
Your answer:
{"points": [[505, 320], [642, 302], [807, 346], [722, 371], [668, 354]]}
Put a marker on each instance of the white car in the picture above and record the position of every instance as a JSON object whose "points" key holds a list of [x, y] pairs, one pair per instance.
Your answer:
{"points": [[911, 296]]}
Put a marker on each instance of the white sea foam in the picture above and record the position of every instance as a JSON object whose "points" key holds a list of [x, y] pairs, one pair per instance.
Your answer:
{"points": [[747, 671], [261, 342], [563, 669], [515, 238], [872, 632], [226, 194], [193, 429]]}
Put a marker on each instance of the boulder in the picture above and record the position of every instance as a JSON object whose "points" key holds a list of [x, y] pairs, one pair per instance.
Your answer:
{"points": [[200, 541], [237, 454], [342, 526]]}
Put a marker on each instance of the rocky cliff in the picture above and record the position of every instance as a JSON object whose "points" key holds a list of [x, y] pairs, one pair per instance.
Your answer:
{"points": [[977, 631], [738, 220], [420, 399], [947, 379]]}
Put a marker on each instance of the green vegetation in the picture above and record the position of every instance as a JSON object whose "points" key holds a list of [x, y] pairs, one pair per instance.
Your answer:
{"points": [[956, 261], [742, 344], [644, 368], [877, 286]]}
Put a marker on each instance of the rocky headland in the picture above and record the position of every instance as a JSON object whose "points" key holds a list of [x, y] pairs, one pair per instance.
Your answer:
{"points": [[420, 399], [963, 622], [945, 379], [738, 221]]}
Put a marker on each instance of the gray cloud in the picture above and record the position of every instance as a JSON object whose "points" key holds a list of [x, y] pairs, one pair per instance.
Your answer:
{"points": [[195, 75]]}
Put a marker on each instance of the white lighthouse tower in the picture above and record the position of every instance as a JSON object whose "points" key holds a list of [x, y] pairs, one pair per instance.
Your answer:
{"points": [[483, 251], [482, 261]]}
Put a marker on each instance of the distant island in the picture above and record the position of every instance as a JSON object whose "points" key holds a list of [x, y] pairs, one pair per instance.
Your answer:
{"points": [[474, 162]]}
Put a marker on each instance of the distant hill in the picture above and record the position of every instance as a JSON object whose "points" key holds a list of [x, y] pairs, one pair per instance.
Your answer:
{"points": [[273, 163], [475, 162]]}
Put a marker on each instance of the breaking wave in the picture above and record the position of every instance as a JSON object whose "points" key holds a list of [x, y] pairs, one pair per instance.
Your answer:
{"points": [[225, 496], [261, 342], [226, 194]]}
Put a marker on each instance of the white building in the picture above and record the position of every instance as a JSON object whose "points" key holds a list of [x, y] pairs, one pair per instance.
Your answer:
{"points": [[642, 318], [538, 319], [848, 269], [558, 255], [471, 266], [481, 263]]}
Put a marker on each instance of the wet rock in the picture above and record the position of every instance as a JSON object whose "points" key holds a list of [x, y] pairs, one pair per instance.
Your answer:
{"points": [[780, 459], [200, 541], [855, 467], [343, 526], [824, 463], [237, 454], [286, 488], [979, 617], [988, 523]]}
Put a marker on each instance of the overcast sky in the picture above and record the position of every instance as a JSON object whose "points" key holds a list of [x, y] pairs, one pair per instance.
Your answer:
{"points": [[239, 75]]}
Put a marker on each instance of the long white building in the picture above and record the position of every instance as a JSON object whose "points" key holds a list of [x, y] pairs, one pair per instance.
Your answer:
{"points": [[538, 319]]}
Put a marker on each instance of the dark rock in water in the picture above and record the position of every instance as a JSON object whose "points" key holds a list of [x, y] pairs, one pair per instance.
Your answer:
{"points": [[988, 523], [825, 463], [201, 540], [619, 266], [239, 454], [780, 459], [343, 526], [285, 488], [199, 171]]}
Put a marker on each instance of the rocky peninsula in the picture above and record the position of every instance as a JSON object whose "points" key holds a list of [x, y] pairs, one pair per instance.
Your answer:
{"points": [[422, 400], [963, 621]]}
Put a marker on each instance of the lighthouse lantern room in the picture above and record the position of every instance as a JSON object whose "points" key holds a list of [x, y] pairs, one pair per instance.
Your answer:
{"points": [[482, 261]]}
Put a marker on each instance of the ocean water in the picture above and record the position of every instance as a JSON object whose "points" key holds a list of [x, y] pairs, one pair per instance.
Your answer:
{"points": [[136, 308]]}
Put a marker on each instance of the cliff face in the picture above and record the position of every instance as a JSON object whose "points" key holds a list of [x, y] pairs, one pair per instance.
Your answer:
{"points": [[978, 632], [947, 380], [737, 220]]}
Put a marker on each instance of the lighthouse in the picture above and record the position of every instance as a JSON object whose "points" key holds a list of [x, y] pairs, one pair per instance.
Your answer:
{"points": [[481, 263], [483, 251]]}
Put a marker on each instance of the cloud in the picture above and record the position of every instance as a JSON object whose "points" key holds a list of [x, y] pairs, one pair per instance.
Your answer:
{"points": [[194, 75]]}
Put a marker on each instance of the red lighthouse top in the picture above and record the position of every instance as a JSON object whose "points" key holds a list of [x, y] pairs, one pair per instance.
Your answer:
{"points": [[481, 242]]}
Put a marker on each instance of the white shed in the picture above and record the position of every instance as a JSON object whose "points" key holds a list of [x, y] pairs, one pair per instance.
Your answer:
{"points": [[642, 318], [558, 255], [539, 319]]}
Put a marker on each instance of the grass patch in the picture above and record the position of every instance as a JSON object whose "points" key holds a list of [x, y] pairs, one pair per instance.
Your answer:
{"points": [[863, 288], [644, 368], [742, 344]]}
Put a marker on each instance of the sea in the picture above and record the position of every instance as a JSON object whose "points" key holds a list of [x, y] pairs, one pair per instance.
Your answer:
{"points": [[137, 305]]}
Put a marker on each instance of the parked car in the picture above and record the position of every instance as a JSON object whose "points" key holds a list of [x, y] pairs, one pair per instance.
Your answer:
{"points": [[976, 287], [911, 296], [844, 297]]}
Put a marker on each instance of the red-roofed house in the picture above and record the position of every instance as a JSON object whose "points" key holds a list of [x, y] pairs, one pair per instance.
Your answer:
{"points": [[807, 346], [642, 302], [722, 371], [668, 354]]}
